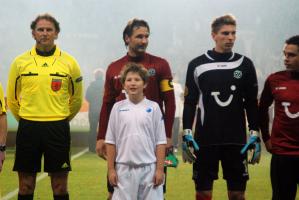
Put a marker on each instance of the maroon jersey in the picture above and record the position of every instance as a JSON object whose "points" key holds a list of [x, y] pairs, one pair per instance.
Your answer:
{"points": [[282, 88], [156, 90]]}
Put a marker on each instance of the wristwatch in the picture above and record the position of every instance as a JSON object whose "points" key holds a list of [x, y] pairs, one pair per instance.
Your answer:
{"points": [[2, 148]]}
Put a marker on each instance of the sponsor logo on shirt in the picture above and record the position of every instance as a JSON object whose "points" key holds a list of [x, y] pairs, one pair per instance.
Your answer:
{"points": [[56, 84], [287, 111], [221, 65], [124, 109], [215, 94], [116, 77], [280, 88]]}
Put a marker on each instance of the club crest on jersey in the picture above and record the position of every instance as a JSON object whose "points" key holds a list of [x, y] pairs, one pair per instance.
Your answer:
{"points": [[152, 72], [149, 110], [237, 74], [56, 84]]}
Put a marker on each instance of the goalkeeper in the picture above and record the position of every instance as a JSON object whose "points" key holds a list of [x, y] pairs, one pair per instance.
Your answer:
{"points": [[223, 85]]}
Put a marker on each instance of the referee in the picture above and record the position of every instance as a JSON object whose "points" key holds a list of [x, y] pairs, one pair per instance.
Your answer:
{"points": [[44, 93]]}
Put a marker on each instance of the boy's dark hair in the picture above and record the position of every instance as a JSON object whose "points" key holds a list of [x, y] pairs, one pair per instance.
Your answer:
{"points": [[47, 17], [136, 68], [218, 22], [134, 23], [293, 40]]}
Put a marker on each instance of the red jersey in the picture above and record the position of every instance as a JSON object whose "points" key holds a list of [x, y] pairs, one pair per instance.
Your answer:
{"points": [[282, 88], [159, 89]]}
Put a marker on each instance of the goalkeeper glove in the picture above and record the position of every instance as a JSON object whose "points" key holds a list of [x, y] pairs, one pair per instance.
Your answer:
{"points": [[253, 147], [189, 146], [171, 160]]}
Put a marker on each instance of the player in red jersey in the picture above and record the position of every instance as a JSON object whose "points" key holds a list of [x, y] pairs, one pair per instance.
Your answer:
{"points": [[159, 88], [282, 88]]}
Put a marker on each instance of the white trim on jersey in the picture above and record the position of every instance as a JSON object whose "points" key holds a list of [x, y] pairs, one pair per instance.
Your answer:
{"points": [[210, 58], [215, 66]]}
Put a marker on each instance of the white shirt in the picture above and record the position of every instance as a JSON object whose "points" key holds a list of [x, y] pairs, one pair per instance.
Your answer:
{"points": [[136, 130]]}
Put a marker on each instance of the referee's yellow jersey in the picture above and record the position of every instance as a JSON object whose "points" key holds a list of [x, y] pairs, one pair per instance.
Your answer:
{"points": [[44, 88], [2, 101]]}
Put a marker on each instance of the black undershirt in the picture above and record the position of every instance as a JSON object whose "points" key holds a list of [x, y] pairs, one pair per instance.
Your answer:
{"points": [[46, 53]]}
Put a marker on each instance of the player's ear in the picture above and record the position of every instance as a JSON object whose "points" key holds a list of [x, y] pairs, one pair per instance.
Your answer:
{"points": [[213, 35], [33, 34], [127, 39]]}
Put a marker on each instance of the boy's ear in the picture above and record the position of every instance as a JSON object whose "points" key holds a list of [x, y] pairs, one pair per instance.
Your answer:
{"points": [[145, 85]]}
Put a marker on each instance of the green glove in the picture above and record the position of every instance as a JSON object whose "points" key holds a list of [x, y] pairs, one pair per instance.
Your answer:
{"points": [[171, 161]]}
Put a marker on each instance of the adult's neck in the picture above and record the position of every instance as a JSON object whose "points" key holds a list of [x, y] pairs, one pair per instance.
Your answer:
{"points": [[44, 48], [218, 50], [135, 55], [46, 53]]}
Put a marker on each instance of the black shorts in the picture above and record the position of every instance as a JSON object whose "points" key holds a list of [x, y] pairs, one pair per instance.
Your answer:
{"points": [[284, 176], [234, 166], [34, 139]]}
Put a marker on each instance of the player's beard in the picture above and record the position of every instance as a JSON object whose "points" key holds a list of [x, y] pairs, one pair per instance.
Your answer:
{"points": [[139, 49]]}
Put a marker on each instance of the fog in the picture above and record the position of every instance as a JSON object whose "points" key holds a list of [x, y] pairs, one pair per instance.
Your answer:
{"points": [[91, 30]]}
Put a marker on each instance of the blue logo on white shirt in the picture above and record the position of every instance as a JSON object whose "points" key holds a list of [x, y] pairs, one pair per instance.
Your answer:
{"points": [[149, 110]]}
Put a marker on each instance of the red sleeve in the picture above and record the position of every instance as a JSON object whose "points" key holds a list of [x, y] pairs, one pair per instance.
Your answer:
{"points": [[264, 104], [168, 99], [169, 103], [108, 102]]}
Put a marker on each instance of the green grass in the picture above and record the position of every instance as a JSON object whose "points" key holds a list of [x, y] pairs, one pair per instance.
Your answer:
{"points": [[87, 181]]}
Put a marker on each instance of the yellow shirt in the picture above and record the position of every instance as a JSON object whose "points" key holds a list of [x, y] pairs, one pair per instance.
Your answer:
{"points": [[2, 101], [44, 88]]}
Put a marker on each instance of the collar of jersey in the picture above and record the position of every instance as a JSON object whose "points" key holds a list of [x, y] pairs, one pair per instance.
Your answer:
{"points": [[56, 53], [141, 58]]}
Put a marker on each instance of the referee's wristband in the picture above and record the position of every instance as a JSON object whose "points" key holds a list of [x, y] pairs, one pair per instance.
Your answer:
{"points": [[2, 148]]}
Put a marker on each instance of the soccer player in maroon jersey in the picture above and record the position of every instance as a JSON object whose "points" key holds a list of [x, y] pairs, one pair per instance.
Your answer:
{"points": [[159, 88], [282, 89]]}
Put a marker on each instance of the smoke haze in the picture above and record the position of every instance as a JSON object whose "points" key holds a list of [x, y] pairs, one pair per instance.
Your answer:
{"points": [[91, 30]]}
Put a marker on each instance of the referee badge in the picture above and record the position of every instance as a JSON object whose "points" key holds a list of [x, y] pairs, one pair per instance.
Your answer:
{"points": [[56, 84]]}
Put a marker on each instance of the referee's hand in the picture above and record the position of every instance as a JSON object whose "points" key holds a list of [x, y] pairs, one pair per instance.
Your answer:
{"points": [[101, 149]]}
